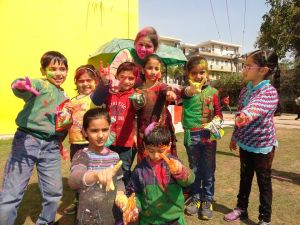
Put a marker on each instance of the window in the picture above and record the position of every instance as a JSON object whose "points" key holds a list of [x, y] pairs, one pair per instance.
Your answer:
{"points": [[213, 48]]}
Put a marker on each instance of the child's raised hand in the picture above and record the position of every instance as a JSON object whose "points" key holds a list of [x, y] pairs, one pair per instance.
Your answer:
{"points": [[196, 87], [104, 72], [25, 85], [174, 165], [171, 96], [108, 78], [232, 145]]}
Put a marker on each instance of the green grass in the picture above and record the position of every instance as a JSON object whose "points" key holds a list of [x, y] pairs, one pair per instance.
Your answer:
{"points": [[286, 181]]}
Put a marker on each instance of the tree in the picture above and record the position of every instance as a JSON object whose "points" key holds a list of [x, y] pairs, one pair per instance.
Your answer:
{"points": [[280, 29], [230, 85]]}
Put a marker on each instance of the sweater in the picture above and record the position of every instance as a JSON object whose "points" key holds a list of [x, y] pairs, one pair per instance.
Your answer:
{"points": [[159, 198], [199, 109], [95, 206], [39, 112], [259, 103]]}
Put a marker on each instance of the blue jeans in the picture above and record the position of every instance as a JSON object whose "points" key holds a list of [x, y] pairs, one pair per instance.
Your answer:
{"points": [[202, 160], [125, 154], [28, 151]]}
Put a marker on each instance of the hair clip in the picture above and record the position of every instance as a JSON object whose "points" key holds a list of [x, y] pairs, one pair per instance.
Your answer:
{"points": [[89, 69]]}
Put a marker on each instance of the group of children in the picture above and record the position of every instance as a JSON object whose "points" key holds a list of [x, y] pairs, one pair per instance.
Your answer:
{"points": [[136, 118]]}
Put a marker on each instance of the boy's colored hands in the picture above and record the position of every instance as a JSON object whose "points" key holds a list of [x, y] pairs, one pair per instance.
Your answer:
{"points": [[25, 85], [107, 78], [196, 87], [130, 212], [174, 165]]}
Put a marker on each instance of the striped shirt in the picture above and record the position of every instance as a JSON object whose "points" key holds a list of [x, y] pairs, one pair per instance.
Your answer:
{"points": [[259, 104]]}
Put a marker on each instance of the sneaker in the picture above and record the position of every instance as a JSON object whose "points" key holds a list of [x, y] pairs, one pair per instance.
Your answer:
{"points": [[193, 207], [236, 214], [71, 209], [261, 222], [206, 212]]}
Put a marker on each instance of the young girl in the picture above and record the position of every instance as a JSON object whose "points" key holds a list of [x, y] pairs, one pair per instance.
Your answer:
{"points": [[92, 173], [158, 180], [145, 43], [154, 108], [86, 79], [201, 108], [254, 133]]}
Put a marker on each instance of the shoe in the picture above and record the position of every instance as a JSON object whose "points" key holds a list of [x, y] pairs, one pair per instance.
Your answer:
{"points": [[71, 209], [206, 212], [236, 214], [193, 207], [261, 222]]}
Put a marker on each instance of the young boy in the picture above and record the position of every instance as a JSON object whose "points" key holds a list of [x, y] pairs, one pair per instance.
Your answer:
{"points": [[36, 142], [157, 181], [121, 111]]}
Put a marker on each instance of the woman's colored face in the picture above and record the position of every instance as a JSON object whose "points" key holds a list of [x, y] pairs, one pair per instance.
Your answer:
{"points": [[152, 70], [85, 84], [144, 47], [197, 73]]}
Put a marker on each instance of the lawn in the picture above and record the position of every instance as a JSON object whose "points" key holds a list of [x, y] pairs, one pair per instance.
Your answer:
{"points": [[286, 181]]}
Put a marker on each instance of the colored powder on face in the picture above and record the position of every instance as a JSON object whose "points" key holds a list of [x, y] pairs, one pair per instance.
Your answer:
{"points": [[49, 74], [202, 63]]}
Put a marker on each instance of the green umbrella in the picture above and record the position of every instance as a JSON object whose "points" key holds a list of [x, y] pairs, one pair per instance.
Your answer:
{"points": [[169, 55]]}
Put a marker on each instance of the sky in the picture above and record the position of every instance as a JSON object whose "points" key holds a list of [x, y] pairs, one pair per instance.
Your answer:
{"points": [[193, 22]]}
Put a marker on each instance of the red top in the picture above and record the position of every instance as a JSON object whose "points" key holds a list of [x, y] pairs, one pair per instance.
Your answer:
{"points": [[121, 109]]}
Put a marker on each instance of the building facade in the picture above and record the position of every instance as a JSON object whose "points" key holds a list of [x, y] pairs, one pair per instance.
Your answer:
{"points": [[223, 58]]}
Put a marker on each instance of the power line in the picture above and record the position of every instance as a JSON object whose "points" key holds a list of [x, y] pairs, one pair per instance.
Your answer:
{"points": [[212, 9], [228, 22], [244, 25]]}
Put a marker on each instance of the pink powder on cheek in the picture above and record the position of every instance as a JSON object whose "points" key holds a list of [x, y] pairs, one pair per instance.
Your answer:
{"points": [[156, 76]]}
